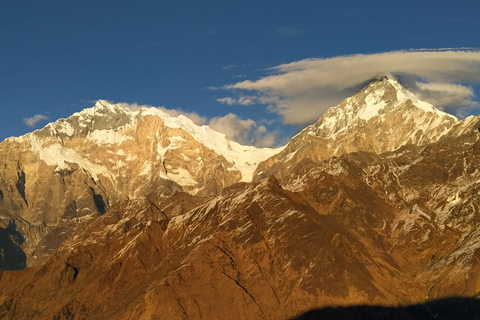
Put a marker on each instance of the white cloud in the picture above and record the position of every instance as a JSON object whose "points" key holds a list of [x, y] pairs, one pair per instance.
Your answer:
{"points": [[244, 100], [302, 91], [195, 117], [244, 131], [229, 66], [227, 100], [233, 126], [445, 94], [33, 120], [264, 139]]}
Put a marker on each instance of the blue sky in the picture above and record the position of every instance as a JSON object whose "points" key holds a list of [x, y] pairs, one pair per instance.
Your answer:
{"points": [[56, 57]]}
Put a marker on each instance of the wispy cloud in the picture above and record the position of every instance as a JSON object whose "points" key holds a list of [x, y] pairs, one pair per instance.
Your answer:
{"points": [[288, 31], [444, 94], [229, 66], [227, 100], [302, 91], [244, 100], [31, 122]]}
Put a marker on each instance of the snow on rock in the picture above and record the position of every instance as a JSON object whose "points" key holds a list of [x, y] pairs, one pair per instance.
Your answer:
{"points": [[182, 177], [109, 129], [108, 137], [372, 101], [59, 156], [244, 158]]}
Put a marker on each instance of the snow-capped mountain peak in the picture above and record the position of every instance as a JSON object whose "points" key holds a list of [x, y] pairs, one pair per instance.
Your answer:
{"points": [[380, 117], [123, 149], [381, 96]]}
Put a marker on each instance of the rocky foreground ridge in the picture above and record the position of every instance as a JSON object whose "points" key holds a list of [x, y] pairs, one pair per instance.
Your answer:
{"points": [[361, 207]]}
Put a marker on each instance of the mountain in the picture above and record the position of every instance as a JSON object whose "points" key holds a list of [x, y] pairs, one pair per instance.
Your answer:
{"points": [[381, 117], [147, 143], [354, 212], [74, 169]]}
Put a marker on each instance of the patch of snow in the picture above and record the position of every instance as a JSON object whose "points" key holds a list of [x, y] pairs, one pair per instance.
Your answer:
{"points": [[453, 199], [298, 184], [289, 156], [146, 170], [127, 247], [426, 236], [185, 158], [374, 102], [108, 137], [58, 156], [175, 142]]}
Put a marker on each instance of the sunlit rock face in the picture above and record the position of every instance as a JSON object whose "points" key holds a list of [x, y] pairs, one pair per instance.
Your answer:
{"points": [[74, 169], [364, 209]]}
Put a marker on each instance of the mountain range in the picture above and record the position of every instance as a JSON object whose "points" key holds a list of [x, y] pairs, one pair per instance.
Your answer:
{"points": [[121, 214]]}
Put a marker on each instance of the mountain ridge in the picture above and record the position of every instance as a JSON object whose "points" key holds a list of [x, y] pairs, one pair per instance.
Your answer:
{"points": [[272, 252], [108, 130], [376, 203]]}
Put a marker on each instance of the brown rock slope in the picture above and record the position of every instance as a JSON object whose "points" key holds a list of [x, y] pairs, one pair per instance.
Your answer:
{"points": [[394, 228]]}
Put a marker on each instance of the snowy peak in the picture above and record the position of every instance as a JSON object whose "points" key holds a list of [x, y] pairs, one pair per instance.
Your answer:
{"points": [[379, 98], [128, 152], [104, 107], [381, 117], [387, 90], [386, 78], [102, 116], [105, 116]]}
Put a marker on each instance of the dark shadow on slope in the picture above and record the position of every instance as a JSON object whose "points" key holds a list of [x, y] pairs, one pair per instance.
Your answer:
{"points": [[444, 309], [21, 186], [99, 202], [12, 256]]}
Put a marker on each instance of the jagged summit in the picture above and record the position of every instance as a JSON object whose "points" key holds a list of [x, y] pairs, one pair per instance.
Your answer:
{"points": [[381, 78], [381, 117], [382, 98], [127, 151], [103, 106], [379, 96]]}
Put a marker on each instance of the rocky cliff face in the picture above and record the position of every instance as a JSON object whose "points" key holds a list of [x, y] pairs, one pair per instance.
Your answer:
{"points": [[392, 226]]}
